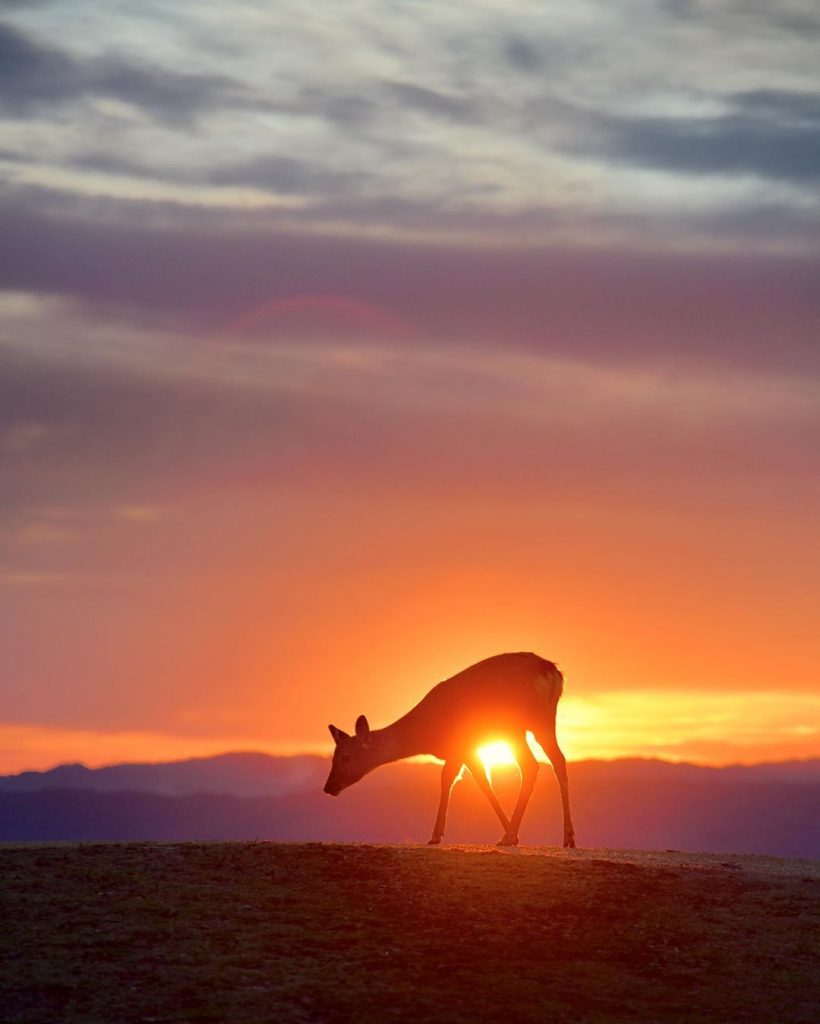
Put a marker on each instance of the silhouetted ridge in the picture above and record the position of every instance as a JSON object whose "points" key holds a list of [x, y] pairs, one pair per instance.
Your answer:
{"points": [[770, 809], [238, 774]]}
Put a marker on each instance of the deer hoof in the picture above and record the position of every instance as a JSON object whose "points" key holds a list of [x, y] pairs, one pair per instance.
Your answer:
{"points": [[508, 839], [569, 841], [434, 841]]}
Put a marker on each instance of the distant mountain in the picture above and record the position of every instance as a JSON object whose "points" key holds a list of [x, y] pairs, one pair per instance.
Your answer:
{"points": [[253, 774], [807, 770], [242, 774], [770, 809]]}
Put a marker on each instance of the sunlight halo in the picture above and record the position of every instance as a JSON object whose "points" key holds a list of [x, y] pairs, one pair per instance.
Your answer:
{"points": [[495, 755]]}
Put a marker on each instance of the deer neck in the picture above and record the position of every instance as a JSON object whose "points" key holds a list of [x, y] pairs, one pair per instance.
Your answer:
{"points": [[395, 742]]}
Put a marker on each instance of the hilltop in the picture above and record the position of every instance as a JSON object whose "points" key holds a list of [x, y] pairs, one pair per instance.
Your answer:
{"points": [[303, 933]]}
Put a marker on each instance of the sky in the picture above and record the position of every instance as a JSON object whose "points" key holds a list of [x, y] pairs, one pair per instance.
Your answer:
{"points": [[344, 345]]}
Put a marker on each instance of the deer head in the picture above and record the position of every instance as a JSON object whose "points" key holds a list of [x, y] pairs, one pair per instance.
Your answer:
{"points": [[351, 759]]}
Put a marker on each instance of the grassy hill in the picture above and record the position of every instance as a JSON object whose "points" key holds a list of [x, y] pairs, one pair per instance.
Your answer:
{"points": [[253, 932]]}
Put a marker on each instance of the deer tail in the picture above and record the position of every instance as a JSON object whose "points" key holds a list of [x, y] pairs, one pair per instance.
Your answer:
{"points": [[552, 683]]}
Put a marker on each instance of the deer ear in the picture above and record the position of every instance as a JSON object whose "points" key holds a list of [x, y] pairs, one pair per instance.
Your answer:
{"points": [[337, 734], [362, 729]]}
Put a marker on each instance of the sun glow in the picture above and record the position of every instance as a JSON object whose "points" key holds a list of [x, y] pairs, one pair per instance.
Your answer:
{"points": [[495, 754]]}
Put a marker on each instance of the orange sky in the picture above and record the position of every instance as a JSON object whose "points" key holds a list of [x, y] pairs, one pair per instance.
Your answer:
{"points": [[229, 639]]}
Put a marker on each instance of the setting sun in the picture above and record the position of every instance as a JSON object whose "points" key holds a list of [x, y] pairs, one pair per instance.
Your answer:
{"points": [[495, 754]]}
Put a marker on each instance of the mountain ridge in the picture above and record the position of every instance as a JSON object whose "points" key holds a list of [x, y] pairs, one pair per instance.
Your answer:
{"points": [[253, 773], [620, 804]]}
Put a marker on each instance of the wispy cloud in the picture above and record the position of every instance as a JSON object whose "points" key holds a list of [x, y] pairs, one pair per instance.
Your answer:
{"points": [[449, 123], [38, 75], [716, 728], [139, 513]]}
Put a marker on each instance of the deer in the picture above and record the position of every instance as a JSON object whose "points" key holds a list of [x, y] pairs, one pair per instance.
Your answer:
{"points": [[501, 697]]}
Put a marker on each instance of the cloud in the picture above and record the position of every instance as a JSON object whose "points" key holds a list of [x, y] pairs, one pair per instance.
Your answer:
{"points": [[139, 513], [33, 73], [769, 134], [277, 175], [431, 101], [384, 414], [200, 270], [282, 174], [508, 129], [669, 724], [523, 54], [35, 76], [11, 5], [789, 108]]}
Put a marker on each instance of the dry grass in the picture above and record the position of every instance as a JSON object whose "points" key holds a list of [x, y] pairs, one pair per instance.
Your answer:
{"points": [[253, 932]]}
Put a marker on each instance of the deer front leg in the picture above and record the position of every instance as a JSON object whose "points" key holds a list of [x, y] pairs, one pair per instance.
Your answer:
{"points": [[480, 775], [449, 771]]}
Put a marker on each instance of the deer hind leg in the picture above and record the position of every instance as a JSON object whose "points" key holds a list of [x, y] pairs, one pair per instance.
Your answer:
{"points": [[546, 737], [528, 767], [479, 773], [448, 776]]}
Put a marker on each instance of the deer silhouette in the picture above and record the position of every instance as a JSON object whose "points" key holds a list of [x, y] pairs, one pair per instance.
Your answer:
{"points": [[499, 698]]}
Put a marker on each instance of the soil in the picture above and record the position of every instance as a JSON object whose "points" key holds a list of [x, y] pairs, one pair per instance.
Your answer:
{"points": [[258, 932]]}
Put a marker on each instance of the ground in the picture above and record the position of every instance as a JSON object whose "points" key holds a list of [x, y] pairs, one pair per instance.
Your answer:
{"points": [[258, 932]]}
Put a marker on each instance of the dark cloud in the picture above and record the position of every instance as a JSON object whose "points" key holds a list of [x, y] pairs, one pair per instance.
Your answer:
{"points": [[789, 108], [205, 267], [171, 96], [430, 101], [376, 103], [680, 8], [34, 75], [793, 18], [286, 175], [279, 175], [768, 134], [803, 23], [768, 222], [523, 54], [115, 164], [748, 16], [352, 112], [349, 111]]}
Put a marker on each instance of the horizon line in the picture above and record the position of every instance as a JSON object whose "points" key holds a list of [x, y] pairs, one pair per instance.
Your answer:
{"points": [[672, 761]]}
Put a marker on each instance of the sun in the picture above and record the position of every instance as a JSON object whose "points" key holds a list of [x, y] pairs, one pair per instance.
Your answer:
{"points": [[495, 754]]}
